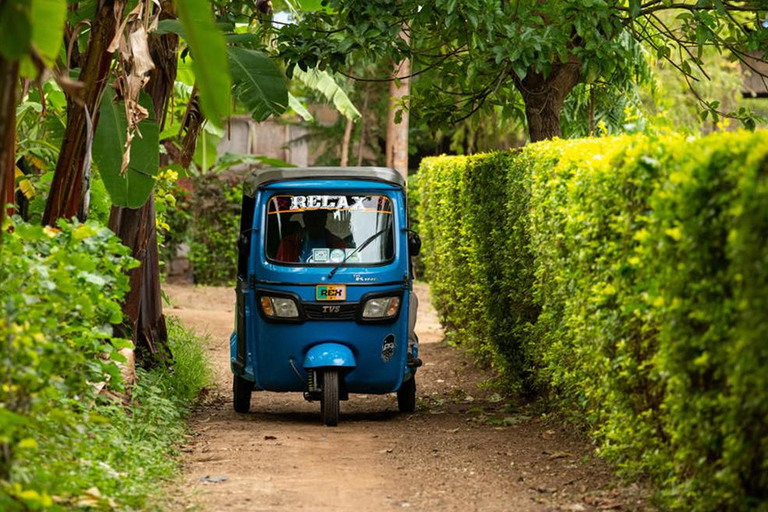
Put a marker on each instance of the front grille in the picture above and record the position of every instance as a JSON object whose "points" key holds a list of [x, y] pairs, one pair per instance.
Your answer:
{"points": [[315, 311]]}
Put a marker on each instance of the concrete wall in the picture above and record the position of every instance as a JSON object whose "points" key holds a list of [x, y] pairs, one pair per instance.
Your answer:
{"points": [[755, 86], [269, 138]]}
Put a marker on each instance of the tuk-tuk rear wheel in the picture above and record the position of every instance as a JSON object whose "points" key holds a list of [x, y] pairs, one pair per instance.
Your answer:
{"points": [[241, 391], [406, 396], [329, 398]]}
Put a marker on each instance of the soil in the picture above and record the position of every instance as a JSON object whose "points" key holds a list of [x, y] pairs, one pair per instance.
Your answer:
{"points": [[465, 448]]}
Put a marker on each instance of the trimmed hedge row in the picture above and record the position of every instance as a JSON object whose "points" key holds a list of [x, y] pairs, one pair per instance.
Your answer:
{"points": [[627, 277], [469, 215]]}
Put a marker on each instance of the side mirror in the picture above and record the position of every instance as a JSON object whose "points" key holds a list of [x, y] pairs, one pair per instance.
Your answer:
{"points": [[414, 244]]}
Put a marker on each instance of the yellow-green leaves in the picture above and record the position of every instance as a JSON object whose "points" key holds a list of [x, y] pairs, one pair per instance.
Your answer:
{"points": [[628, 276]]}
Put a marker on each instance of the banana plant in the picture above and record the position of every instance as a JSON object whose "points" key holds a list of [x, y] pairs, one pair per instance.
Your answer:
{"points": [[324, 83], [31, 32]]}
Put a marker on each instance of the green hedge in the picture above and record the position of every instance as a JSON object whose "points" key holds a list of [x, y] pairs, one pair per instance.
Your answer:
{"points": [[468, 223], [628, 277]]}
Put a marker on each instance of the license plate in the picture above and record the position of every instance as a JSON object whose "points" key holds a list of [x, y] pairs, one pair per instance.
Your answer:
{"points": [[331, 292]]}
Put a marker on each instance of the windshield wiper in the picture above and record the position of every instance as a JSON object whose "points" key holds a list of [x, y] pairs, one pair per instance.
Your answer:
{"points": [[358, 249]]}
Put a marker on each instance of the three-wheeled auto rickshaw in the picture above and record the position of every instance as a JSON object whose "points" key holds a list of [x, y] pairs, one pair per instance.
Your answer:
{"points": [[324, 287]]}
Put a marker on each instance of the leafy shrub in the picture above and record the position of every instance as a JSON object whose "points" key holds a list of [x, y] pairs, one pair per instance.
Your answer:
{"points": [[628, 277], [173, 215], [60, 291], [216, 205], [63, 445], [711, 224], [592, 341], [445, 264]]}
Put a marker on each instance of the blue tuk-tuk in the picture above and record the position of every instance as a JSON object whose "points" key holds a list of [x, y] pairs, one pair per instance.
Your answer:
{"points": [[324, 287]]}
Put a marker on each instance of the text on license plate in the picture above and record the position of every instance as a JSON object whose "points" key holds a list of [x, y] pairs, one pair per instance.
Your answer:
{"points": [[331, 292]]}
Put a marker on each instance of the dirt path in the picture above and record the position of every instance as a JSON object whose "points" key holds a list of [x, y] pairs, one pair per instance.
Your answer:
{"points": [[464, 448]]}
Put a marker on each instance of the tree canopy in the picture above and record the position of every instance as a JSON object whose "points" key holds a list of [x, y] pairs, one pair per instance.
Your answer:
{"points": [[497, 52]]}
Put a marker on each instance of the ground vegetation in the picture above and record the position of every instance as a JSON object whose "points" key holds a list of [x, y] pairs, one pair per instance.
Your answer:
{"points": [[76, 431]]}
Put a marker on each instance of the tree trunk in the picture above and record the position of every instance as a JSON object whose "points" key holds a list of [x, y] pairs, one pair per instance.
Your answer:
{"points": [[345, 143], [9, 77], [66, 192], [136, 227], [544, 97], [397, 133], [143, 305], [363, 126]]}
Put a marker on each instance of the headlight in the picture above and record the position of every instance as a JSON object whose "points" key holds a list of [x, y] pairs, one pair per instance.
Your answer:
{"points": [[381, 307], [279, 307]]}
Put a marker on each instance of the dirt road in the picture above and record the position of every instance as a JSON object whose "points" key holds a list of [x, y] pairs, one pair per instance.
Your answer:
{"points": [[464, 449]]}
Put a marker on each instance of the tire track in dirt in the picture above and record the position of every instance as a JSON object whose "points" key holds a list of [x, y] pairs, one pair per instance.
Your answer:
{"points": [[464, 448]]}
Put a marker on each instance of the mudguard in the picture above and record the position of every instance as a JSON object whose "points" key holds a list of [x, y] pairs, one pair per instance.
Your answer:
{"points": [[327, 355]]}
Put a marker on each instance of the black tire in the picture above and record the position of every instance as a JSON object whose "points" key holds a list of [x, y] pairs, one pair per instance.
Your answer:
{"points": [[406, 396], [241, 391], [329, 398]]}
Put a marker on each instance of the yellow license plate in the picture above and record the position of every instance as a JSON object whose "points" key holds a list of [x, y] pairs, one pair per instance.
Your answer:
{"points": [[331, 292]]}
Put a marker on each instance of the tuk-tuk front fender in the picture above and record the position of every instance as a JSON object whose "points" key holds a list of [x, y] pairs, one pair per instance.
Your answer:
{"points": [[329, 355]]}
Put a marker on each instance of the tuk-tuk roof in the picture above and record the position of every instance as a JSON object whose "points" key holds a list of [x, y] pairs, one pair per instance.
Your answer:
{"points": [[261, 177]]}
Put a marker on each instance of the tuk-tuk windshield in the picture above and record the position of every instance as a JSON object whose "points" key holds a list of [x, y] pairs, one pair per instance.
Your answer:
{"points": [[323, 229]]}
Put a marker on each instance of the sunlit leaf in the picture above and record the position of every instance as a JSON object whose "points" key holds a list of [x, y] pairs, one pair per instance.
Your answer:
{"points": [[299, 108], [48, 17], [324, 83], [310, 5], [209, 54], [185, 73]]}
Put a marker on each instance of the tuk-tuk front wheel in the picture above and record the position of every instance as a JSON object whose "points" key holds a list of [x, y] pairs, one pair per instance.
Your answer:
{"points": [[241, 391], [329, 398], [406, 396]]}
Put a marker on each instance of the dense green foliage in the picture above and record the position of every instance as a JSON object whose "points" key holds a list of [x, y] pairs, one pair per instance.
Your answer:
{"points": [[516, 55], [63, 444], [174, 214], [216, 205], [627, 277], [465, 265]]}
